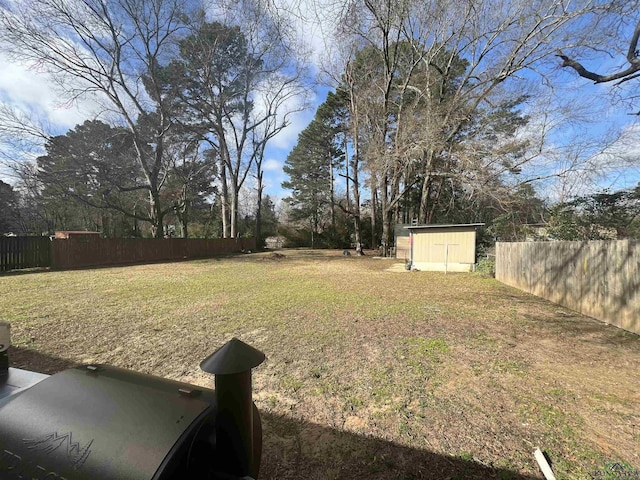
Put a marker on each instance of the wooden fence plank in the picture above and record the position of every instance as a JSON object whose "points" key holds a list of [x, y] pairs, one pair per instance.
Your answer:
{"points": [[24, 252], [600, 279]]}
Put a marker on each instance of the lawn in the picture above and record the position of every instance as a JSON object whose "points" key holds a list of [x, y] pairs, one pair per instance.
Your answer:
{"points": [[371, 373]]}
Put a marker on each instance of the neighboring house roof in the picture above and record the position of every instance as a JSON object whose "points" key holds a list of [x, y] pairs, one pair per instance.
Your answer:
{"points": [[449, 225]]}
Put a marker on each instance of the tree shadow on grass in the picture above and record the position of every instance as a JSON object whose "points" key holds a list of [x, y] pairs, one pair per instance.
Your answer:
{"points": [[294, 449], [599, 277]]}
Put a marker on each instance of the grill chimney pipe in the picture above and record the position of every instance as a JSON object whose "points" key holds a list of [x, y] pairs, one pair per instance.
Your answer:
{"points": [[5, 341], [231, 364]]}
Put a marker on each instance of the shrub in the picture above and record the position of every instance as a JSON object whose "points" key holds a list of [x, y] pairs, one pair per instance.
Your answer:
{"points": [[486, 267]]}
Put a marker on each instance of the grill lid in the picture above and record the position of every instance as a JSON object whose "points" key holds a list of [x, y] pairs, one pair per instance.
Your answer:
{"points": [[75, 425]]}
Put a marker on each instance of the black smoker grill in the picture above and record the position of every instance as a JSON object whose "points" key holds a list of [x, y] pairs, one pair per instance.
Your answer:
{"points": [[100, 422]]}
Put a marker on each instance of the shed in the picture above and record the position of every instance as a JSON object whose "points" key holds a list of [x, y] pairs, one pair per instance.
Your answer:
{"points": [[401, 234], [447, 248], [66, 234], [274, 242]]}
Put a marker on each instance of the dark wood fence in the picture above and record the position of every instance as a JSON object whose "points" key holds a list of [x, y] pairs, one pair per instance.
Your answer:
{"points": [[24, 252], [93, 252], [600, 279]]}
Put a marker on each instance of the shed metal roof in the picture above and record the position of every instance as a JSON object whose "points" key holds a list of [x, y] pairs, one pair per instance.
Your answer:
{"points": [[448, 225]]}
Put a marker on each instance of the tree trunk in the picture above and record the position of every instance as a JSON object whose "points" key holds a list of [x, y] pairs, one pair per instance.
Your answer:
{"points": [[332, 199], [346, 166], [358, 234], [155, 215], [424, 200], [184, 222], [386, 215], [184, 214], [224, 204], [106, 233], [314, 219], [136, 227], [259, 212], [234, 210], [355, 167], [431, 200], [426, 189], [386, 232], [374, 202], [434, 201], [356, 201]]}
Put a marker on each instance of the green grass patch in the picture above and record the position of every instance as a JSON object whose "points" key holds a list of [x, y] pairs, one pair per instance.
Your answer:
{"points": [[421, 349], [422, 355]]}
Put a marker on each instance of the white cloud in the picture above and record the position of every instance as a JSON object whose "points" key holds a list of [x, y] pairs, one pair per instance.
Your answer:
{"points": [[274, 176], [34, 92], [272, 165], [288, 137], [273, 183]]}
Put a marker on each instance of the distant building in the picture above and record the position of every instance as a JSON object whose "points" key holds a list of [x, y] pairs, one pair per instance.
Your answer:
{"points": [[535, 232], [66, 234], [273, 243]]}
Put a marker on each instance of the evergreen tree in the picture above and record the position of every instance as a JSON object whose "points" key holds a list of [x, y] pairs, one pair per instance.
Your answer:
{"points": [[9, 212], [310, 169], [600, 216], [269, 219], [90, 180]]}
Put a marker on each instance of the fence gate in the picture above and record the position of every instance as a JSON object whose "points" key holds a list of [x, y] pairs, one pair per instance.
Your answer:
{"points": [[24, 252]]}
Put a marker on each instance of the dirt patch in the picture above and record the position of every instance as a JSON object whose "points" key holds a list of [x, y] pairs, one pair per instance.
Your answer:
{"points": [[274, 257], [397, 268]]}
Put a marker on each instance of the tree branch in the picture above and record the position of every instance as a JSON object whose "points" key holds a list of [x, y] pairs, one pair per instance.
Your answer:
{"points": [[632, 58]]}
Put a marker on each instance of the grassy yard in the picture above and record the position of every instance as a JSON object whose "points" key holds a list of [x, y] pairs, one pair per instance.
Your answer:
{"points": [[370, 373]]}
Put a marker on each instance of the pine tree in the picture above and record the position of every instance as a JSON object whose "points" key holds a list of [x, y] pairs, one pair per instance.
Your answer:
{"points": [[310, 168]]}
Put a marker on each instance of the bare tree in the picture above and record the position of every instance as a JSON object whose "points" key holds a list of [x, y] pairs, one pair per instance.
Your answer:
{"points": [[248, 81], [21, 139], [439, 66], [274, 106], [113, 51]]}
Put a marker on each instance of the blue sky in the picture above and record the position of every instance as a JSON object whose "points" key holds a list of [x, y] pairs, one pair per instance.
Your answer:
{"points": [[277, 151]]}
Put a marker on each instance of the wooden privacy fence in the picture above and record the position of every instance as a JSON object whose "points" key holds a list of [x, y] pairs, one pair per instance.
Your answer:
{"points": [[92, 252], [600, 279], [88, 251], [24, 252]]}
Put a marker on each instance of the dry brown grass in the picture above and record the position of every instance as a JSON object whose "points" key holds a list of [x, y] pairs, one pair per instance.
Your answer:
{"points": [[371, 373]]}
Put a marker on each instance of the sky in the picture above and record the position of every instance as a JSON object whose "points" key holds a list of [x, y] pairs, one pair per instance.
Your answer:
{"points": [[31, 90], [581, 119]]}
